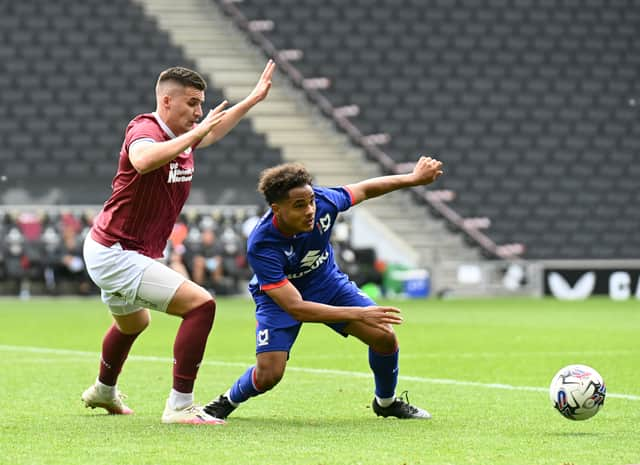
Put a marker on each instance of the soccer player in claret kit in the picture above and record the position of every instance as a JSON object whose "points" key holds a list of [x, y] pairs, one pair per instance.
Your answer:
{"points": [[128, 237], [297, 280]]}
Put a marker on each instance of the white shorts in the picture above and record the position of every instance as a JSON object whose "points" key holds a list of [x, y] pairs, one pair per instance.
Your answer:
{"points": [[130, 281]]}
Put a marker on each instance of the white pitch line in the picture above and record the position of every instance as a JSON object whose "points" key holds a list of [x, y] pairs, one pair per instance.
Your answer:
{"points": [[441, 355], [603, 353], [317, 371]]}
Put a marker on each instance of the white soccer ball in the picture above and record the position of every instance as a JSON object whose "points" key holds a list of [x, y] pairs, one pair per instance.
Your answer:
{"points": [[577, 392]]}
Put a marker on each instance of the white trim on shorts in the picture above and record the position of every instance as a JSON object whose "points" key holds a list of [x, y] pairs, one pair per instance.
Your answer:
{"points": [[130, 281]]}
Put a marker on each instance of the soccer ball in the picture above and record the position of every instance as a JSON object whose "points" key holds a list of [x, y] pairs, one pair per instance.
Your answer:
{"points": [[577, 392]]}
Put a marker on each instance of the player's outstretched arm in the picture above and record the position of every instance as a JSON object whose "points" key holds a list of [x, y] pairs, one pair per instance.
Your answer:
{"points": [[146, 156], [236, 112], [425, 171], [289, 299]]}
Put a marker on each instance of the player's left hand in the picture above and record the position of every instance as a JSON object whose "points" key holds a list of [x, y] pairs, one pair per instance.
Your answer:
{"points": [[427, 170], [261, 90]]}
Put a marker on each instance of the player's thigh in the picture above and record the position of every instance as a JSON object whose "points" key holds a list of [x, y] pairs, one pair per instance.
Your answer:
{"points": [[130, 281], [383, 342], [273, 345], [272, 338], [350, 295], [164, 289]]}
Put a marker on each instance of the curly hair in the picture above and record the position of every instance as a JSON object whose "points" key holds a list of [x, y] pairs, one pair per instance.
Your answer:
{"points": [[183, 76], [275, 183]]}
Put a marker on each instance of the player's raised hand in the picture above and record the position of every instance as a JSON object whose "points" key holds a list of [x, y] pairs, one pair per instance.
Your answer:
{"points": [[213, 118], [261, 90], [427, 170], [381, 317]]}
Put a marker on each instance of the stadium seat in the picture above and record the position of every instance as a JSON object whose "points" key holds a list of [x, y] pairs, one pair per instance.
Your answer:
{"points": [[79, 69], [532, 84]]}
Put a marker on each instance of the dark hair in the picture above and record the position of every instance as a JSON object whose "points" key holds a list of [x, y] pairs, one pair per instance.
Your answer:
{"points": [[184, 77], [275, 183]]}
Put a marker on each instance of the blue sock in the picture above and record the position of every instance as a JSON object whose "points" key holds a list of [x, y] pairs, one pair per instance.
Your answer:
{"points": [[385, 372], [244, 388]]}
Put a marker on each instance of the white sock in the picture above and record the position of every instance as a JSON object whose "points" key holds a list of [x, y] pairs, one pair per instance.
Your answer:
{"points": [[228, 396], [385, 402], [180, 400], [104, 389]]}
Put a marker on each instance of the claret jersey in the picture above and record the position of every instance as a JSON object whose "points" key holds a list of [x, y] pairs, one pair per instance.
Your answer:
{"points": [[306, 259], [142, 209]]}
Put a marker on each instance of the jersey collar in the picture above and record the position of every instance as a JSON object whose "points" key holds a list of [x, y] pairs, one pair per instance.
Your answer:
{"points": [[163, 125], [274, 222]]}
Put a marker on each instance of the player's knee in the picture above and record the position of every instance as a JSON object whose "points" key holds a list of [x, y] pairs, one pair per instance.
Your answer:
{"points": [[268, 378], [205, 313], [203, 297], [386, 343], [132, 328], [144, 324], [188, 298], [133, 323]]}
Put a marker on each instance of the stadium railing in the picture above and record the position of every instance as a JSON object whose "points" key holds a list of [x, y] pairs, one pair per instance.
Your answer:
{"points": [[435, 199]]}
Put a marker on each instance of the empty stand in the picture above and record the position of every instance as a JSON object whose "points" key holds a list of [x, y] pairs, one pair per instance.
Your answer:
{"points": [[532, 106], [72, 76]]}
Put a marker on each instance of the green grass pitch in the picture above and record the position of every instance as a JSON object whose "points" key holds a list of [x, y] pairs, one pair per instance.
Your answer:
{"points": [[481, 367]]}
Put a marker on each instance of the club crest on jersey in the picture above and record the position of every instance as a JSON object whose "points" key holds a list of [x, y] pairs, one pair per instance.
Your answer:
{"points": [[179, 175], [324, 223]]}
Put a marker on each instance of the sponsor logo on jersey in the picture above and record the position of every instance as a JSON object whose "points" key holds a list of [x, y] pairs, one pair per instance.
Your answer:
{"points": [[311, 261], [179, 175]]}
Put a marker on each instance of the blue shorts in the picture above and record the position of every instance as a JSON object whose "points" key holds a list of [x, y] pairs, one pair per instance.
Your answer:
{"points": [[271, 337]]}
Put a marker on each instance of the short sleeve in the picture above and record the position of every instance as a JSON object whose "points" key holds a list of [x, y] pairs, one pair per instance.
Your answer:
{"points": [[341, 197], [141, 130], [268, 266]]}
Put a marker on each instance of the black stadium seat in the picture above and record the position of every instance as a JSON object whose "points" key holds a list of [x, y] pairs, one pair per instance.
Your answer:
{"points": [[547, 90], [73, 75]]}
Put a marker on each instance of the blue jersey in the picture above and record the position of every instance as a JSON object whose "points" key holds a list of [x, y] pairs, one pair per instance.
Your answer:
{"points": [[305, 260]]}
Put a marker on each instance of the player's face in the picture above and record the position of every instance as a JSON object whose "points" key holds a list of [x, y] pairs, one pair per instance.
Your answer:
{"points": [[297, 213], [185, 109]]}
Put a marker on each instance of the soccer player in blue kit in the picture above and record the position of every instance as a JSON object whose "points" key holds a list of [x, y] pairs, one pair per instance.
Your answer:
{"points": [[297, 280]]}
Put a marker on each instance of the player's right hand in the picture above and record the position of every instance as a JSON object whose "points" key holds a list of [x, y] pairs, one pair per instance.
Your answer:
{"points": [[381, 317]]}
